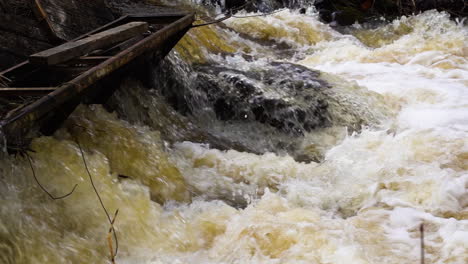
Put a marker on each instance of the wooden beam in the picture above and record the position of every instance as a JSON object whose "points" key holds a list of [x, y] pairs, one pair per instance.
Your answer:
{"points": [[122, 46], [99, 58], [25, 91], [81, 47], [120, 21], [88, 60]]}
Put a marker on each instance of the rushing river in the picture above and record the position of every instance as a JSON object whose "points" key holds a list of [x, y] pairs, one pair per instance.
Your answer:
{"points": [[353, 186]]}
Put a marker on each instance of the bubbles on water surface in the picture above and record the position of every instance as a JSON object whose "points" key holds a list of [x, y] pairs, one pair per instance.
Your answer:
{"points": [[363, 203]]}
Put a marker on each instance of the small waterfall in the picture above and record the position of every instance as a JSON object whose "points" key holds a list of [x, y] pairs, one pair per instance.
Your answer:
{"points": [[267, 139]]}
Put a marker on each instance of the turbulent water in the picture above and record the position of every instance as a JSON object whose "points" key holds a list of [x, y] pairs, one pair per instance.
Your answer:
{"points": [[361, 199]]}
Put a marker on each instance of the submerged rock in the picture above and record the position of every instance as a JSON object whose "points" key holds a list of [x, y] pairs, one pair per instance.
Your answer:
{"points": [[283, 95], [290, 98], [248, 104], [348, 12]]}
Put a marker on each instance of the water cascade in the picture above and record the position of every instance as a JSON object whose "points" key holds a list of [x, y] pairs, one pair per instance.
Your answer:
{"points": [[265, 139]]}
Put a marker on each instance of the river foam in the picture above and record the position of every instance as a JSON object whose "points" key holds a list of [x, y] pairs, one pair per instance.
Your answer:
{"points": [[363, 203]]}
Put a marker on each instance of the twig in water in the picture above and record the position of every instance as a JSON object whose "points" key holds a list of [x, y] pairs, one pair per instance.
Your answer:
{"points": [[421, 230], [109, 237], [229, 15], [260, 15], [213, 22], [42, 187], [111, 220], [226, 15]]}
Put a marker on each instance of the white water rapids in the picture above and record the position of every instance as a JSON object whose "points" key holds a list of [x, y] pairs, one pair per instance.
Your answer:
{"points": [[363, 203]]}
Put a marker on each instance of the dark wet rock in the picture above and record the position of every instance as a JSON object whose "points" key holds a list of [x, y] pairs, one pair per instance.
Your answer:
{"points": [[137, 102], [249, 106], [347, 12], [285, 97], [227, 4], [255, 5], [71, 19], [282, 95], [122, 7], [228, 108]]}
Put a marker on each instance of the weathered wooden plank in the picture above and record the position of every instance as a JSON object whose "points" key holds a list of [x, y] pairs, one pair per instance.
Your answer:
{"points": [[81, 47], [25, 91], [120, 21], [122, 46], [93, 58], [24, 121], [88, 60]]}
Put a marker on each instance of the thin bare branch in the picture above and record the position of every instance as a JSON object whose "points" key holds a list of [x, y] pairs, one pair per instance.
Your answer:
{"points": [[111, 220], [230, 14], [260, 15], [42, 187], [4, 81], [109, 238], [213, 22]]}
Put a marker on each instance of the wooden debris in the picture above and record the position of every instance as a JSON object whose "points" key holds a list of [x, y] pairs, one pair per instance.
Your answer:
{"points": [[25, 91], [4, 81], [76, 68], [81, 47]]}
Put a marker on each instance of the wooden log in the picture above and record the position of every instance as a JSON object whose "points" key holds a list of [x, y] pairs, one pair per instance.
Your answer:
{"points": [[25, 91], [81, 47]]}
